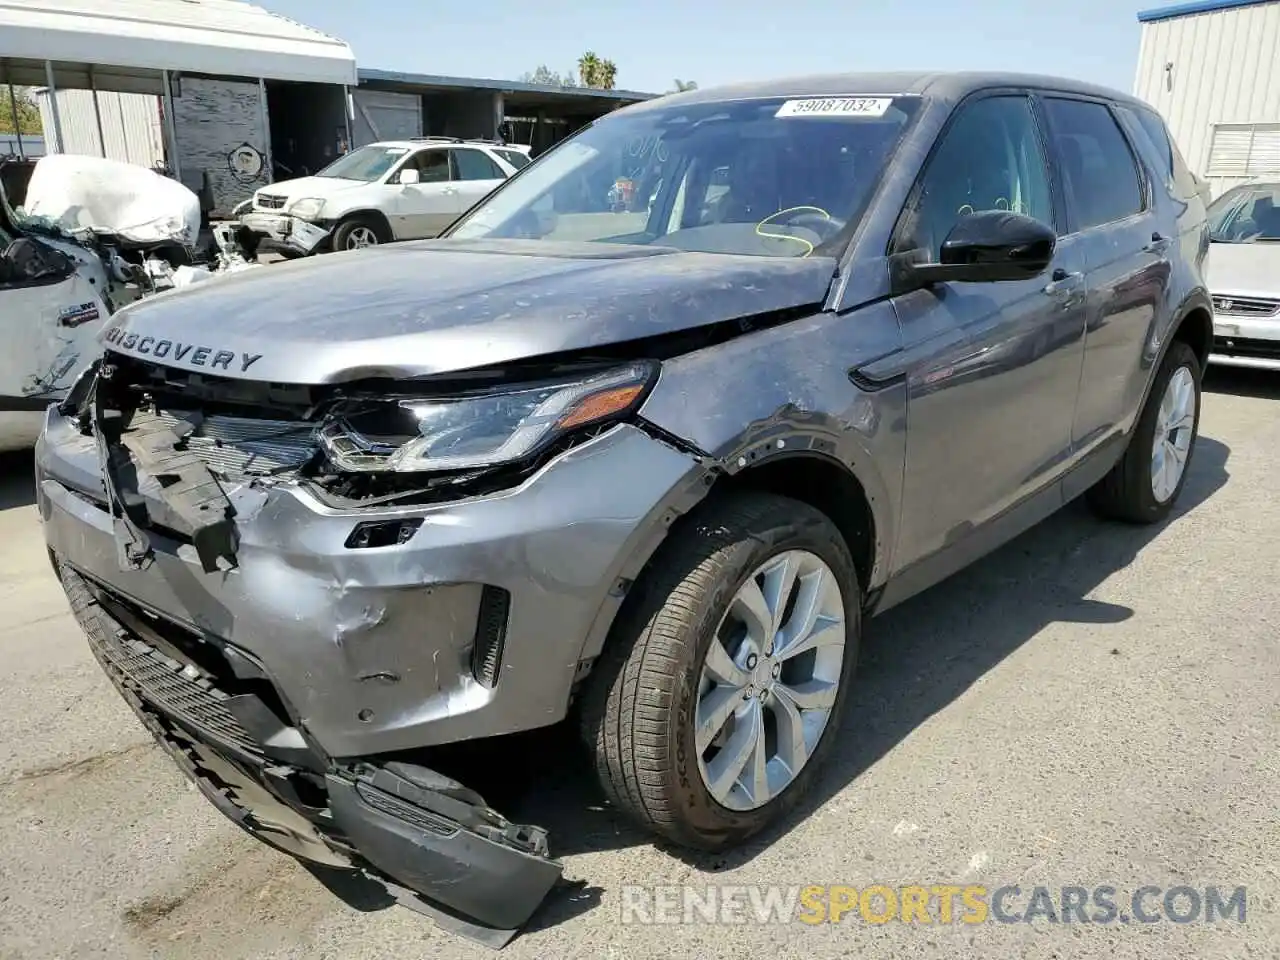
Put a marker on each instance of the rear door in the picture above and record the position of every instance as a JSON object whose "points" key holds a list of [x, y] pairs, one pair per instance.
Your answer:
{"points": [[992, 384], [1126, 249], [475, 176]]}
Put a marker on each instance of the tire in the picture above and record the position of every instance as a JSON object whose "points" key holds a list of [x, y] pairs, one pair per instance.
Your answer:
{"points": [[1126, 493], [349, 232], [639, 704]]}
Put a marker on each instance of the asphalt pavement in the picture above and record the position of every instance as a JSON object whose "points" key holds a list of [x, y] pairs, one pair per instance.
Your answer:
{"points": [[1093, 705]]}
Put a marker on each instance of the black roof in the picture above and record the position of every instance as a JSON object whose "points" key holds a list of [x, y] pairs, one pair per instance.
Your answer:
{"points": [[943, 86]]}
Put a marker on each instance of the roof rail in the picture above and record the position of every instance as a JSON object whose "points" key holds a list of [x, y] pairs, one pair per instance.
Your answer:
{"points": [[439, 139]]}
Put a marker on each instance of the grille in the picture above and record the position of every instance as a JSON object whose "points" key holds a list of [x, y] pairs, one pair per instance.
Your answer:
{"points": [[242, 446], [1246, 306], [267, 201], [168, 686]]}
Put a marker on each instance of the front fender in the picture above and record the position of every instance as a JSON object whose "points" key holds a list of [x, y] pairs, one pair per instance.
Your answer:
{"points": [[787, 391]]}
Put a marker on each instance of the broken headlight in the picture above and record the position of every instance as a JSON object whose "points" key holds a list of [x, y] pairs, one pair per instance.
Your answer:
{"points": [[477, 430]]}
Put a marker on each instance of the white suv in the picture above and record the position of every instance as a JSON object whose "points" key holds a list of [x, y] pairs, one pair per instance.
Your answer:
{"points": [[397, 190]]}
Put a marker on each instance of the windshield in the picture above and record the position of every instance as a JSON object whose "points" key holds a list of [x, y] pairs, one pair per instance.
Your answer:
{"points": [[1247, 214], [368, 163], [775, 177]]}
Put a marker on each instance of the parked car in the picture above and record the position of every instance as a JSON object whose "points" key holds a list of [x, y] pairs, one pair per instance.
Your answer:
{"points": [[397, 190], [1244, 276], [655, 476]]}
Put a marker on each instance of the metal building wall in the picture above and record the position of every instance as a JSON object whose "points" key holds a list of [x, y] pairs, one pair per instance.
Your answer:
{"points": [[1216, 67], [130, 125], [385, 115], [213, 118]]}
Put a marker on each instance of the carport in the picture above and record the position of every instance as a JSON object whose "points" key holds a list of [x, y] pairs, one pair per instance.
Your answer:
{"points": [[530, 113], [156, 46]]}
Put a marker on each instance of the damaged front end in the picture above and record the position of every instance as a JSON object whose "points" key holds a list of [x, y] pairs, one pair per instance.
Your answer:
{"points": [[213, 705], [304, 617]]}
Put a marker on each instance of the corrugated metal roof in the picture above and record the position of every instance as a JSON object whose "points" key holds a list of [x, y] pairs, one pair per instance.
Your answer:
{"points": [[507, 86], [220, 37], [1195, 6]]}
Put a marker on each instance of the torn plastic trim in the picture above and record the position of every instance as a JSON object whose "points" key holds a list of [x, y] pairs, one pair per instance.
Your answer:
{"points": [[132, 444]]}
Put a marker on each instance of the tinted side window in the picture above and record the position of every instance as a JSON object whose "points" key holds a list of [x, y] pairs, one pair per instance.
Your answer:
{"points": [[433, 166], [1153, 126], [990, 158], [474, 165], [1098, 166], [514, 157]]}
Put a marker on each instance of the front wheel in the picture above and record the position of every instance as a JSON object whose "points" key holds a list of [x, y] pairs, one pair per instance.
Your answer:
{"points": [[721, 689], [358, 232], [1145, 484]]}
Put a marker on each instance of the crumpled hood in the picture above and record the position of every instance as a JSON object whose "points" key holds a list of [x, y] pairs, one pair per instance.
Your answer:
{"points": [[1244, 269], [76, 193], [436, 306]]}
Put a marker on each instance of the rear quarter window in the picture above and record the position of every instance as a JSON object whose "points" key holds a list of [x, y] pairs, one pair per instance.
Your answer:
{"points": [[1172, 168]]}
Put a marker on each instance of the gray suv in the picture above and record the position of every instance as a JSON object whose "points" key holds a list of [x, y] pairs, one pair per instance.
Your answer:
{"points": [[642, 440]]}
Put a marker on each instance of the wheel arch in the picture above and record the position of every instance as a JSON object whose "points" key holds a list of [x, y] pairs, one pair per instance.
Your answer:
{"points": [[795, 466], [366, 213]]}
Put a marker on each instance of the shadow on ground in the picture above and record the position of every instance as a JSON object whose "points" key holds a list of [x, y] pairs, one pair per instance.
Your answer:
{"points": [[1243, 382], [17, 480]]}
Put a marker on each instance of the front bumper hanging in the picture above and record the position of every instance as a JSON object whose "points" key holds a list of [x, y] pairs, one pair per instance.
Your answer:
{"points": [[431, 842]]}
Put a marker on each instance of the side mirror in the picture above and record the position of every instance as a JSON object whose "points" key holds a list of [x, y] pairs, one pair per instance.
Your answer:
{"points": [[990, 245], [409, 176]]}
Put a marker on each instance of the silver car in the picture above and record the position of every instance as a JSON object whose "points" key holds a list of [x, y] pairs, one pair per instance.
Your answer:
{"points": [[1244, 276]]}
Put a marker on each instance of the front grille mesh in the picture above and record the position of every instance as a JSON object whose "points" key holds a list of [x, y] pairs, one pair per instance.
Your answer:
{"points": [[267, 201], [158, 680], [161, 682]]}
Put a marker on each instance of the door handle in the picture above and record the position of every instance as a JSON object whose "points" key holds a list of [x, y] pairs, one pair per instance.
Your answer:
{"points": [[1062, 281]]}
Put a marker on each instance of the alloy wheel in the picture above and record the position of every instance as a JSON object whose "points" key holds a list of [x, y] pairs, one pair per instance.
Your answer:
{"points": [[769, 680]]}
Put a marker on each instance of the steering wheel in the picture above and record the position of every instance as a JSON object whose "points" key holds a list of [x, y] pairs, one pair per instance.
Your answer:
{"points": [[814, 219]]}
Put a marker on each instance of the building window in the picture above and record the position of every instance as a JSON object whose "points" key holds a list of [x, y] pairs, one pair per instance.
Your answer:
{"points": [[1244, 150]]}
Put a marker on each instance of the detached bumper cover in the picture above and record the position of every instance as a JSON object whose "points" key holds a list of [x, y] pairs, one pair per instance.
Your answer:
{"points": [[407, 827], [299, 235]]}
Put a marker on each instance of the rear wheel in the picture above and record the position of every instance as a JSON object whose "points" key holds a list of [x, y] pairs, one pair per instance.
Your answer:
{"points": [[358, 232], [1145, 484], [721, 690]]}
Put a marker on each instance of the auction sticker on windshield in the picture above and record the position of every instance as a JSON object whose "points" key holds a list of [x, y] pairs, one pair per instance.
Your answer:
{"points": [[836, 107]]}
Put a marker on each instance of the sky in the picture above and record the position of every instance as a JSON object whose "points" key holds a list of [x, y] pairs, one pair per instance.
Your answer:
{"points": [[653, 42]]}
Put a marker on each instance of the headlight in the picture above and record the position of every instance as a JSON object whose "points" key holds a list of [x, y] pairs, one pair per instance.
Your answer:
{"points": [[306, 209], [477, 430]]}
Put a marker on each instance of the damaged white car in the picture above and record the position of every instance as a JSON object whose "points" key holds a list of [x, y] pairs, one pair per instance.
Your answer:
{"points": [[93, 236]]}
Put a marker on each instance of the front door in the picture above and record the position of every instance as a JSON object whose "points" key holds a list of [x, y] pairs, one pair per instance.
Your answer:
{"points": [[994, 367], [424, 208], [49, 326]]}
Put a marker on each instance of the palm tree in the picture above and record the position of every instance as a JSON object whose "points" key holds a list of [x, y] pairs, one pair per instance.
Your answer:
{"points": [[588, 68], [596, 72]]}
